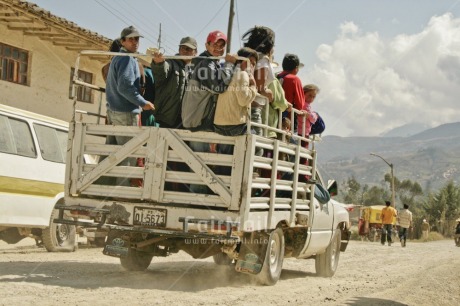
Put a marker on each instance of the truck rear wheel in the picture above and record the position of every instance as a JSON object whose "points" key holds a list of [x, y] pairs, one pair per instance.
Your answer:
{"points": [[59, 237], [273, 263], [136, 260], [326, 263]]}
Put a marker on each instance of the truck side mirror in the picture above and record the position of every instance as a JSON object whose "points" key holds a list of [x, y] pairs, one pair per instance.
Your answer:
{"points": [[332, 187]]}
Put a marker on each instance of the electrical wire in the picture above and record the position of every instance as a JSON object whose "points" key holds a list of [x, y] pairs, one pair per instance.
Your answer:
{"points": [[212, 19]]}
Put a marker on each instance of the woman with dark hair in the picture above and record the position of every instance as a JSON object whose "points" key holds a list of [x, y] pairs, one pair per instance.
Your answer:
{"points": [[261, 39]]}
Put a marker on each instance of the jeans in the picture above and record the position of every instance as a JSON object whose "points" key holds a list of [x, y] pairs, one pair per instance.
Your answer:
{"points": [[387, 230], [403, 234], [125, 119]]}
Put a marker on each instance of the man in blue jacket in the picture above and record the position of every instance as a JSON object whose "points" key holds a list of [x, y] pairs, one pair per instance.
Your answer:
{"points": [[123, 90]]}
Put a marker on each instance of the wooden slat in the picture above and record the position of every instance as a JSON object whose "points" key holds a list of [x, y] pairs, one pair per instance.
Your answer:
{"points": [[113, 191], [106, 149], [193, 198], [190, 178]]}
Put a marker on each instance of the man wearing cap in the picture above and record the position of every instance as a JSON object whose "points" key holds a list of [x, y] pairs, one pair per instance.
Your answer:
{"points": [[207, 80], [170, 82], [123, 90]]}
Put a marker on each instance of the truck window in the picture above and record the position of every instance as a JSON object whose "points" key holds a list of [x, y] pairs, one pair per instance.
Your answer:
{"points": [[52, 143], [15, 137]]}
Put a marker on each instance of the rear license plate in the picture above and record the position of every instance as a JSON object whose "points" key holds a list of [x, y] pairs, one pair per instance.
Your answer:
{"points": [[150, 216]]}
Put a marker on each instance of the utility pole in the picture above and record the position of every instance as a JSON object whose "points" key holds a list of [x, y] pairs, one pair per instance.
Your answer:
{"points": [[159, 38], [230, 25], [392, 179]]}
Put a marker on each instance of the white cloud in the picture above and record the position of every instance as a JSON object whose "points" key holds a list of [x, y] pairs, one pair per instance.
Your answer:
{"points": [[369, 85]]}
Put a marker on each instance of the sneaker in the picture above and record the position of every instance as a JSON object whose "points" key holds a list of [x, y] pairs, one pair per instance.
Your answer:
{"points": [[402, 243], [389, 243]]}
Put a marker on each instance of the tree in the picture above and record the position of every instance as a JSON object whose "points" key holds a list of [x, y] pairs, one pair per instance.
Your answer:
{"points": [[443, 207], [352, 195]]}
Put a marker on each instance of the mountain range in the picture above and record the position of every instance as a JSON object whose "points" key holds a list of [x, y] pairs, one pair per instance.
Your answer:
{"points": [[430, 157]]}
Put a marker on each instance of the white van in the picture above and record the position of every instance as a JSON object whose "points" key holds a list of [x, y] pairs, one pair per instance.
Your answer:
{"points": [[32, 168]]}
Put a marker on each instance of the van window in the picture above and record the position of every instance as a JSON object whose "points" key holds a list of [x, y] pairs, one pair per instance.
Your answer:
{"points": [[16, 137], [52, 143]]}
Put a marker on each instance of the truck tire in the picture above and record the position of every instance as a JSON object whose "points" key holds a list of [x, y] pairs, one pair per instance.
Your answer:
{"points": [[222, 259], [274, 256], [326, 263], [136, 260], [59, 237]]}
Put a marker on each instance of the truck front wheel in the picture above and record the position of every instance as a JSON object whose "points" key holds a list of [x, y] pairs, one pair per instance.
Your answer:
{"points": [[273, 263], [326, 263], [136, 260]]}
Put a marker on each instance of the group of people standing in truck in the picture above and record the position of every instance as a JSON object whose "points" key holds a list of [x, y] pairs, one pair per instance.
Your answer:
{"points": [[203, 93], [186, 91]]}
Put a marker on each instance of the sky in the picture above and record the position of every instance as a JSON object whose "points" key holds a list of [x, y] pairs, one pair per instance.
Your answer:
{"points": [[379, 64]]}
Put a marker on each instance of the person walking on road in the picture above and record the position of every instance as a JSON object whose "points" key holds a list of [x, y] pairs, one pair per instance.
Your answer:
{"points": [[405, 222], [425, 230], [388, 214]]}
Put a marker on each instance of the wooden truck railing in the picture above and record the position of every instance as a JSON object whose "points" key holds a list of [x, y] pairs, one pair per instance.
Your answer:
{"points": [[240, 182]]}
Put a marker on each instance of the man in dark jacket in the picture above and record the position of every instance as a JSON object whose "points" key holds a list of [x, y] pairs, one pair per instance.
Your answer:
{"points": [[170, 82]]}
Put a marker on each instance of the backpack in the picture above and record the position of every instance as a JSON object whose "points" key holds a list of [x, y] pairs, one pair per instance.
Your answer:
{"points": [[318, 127]]}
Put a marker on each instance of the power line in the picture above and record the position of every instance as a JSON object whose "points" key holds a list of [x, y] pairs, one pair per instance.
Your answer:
{"points": [[212, 19], [126, 20]]}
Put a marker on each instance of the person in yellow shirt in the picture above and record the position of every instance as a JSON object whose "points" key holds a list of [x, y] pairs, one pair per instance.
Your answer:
{"points": [[388, 214]]}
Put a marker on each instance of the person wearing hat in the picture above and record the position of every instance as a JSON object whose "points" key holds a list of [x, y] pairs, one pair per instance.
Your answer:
{"points": [[425, 230], [171, 77], [207, 80], [123, 91]]}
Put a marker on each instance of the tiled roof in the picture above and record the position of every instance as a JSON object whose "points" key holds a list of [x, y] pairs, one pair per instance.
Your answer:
{"points": [[36, 21]]}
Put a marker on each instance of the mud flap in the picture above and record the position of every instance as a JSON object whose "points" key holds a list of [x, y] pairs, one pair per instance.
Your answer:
{"points": [[116, 246], [252, 253]]}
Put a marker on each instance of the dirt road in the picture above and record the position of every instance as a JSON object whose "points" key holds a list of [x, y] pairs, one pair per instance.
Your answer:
{"points": [[368, 274]]}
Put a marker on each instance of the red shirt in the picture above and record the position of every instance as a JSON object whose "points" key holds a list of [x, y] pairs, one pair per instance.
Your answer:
{"points": [[293, 90]]}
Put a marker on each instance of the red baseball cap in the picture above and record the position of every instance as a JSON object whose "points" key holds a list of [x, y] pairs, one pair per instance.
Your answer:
{"points": [[215, 36]]}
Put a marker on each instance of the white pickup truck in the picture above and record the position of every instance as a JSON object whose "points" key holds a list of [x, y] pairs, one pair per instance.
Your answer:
{"points": [[248, 216]]}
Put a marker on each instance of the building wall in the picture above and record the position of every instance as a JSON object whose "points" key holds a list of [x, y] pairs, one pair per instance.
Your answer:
{"points": [[49, 77]]}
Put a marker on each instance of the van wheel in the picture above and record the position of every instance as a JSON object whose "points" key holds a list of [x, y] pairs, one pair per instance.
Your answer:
{"points": [[273, 263], [136, 260], [59, 237], [222, 259], [326, 263]]}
